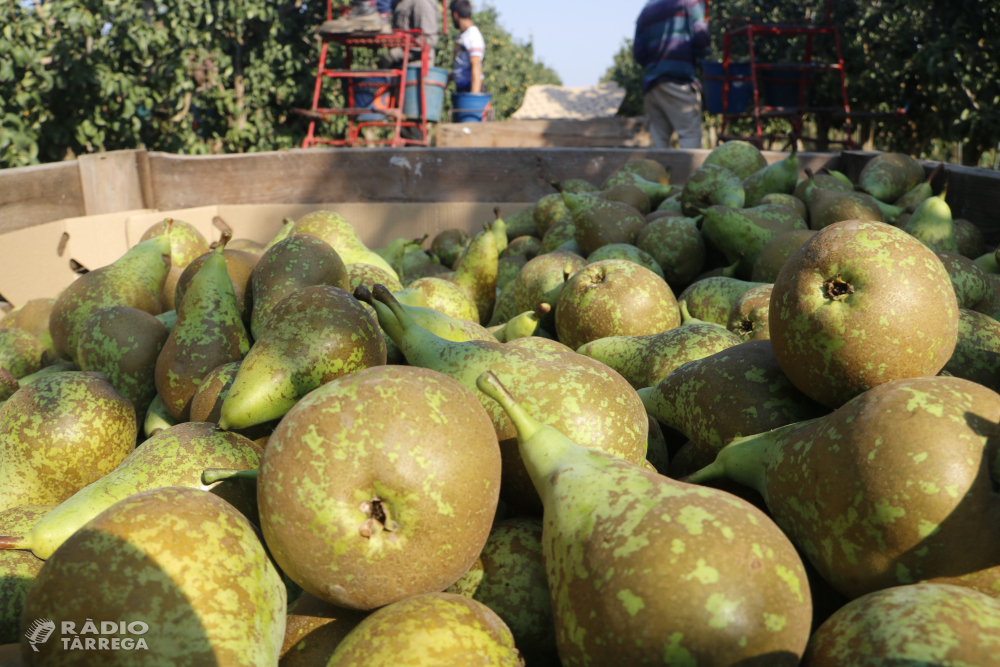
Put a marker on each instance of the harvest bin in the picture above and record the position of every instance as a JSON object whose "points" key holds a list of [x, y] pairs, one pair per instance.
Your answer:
{"points": [[87, 212]]}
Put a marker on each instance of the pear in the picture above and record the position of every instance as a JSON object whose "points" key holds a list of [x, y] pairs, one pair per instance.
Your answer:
{"points": [[988, 262], [287, 226], [919, 192], [298, 261], [417, 264], [977, 352], [313, 336], [541, 280], [687, 575], [505, 308], [578, 394], [790, 201], [651, 170], [549, 210], [507, 270], [710, 185], [443, 296], [21, 354], [599, 222], [369, 276], [625, 193], [749, 317], [777, 178], [614, 297], [33, 317], [971, 284], [677, 246], [656, 215], [135, 280], [314, 629], [186, 243], [451, 243], [576, 186], [654, 192], [239, 265], [209, 332], [18, 570], [740, 157], [206, 406], [741, 233], [477, 274], [123, 344], [404, 500], [737, 392], [562, 231], [776, 252], [888, 176], [338, 233], [182, 561], [627, 252], [541, 344], [828, 207], [813, 183], [928, 434], [59, 434], [498, 228], [169, 319], [157, 418], [829, 315], [246, 245], [521, 326], [712, 299], [398, 248], [174, 457], [645, 360], [908, 625], [931, 223], [528, 247], [438, 323], [442, 629], [657, 450], [968, 237], [672, 205], [521, 223]]}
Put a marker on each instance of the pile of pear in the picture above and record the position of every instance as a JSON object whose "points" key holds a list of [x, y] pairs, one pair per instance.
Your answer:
{"points": [[749, 419]]}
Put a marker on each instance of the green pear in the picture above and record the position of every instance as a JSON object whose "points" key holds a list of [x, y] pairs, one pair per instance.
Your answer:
{"points": [[932, 225], [541, 280], [625, 193], [135, 280], [246, 245], [919, 192], [711, 185], [437, 323], [675, 244], [369, 276], [477, 274], [174, 457], [740, 157], [521, 326], [59, 434], [444, 296], [562, 231], [576, 186], [209, 332], [498, 228], [828, 207], [169, 318], [21, 354], [287, 226], [777, 178], [339, 234], [123, 344], [315, 335], [599, 222], [549, 210], [450, 244], [416, 264], [185, 563], [521, 223], [977, 352], [651, 170], [671, 205], [656, 192], [967, 235], [18, 570], [645, 360], [576, 393], [33, 317], [507, 270], [776, 252], [749, 317], [541, 344], [712, 299], [741, 233], [971, 284], [298, 261], [157, 418], [397, 248], [239, 266], [627, 252], [790, 201], [927, 434], [505, 307], [808, 186], [314, 629], [651, 542], [888, 176], [186, 244]]}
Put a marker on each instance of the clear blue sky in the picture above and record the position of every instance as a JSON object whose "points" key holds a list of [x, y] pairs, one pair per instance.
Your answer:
{"points": [[576, 38]]}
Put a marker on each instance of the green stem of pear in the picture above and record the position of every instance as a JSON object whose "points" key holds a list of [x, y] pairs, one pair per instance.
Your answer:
{"points": [[685, 314], [556, 185], [388, 322], [490, 385], [225, 238], [13, 542], [935, 172], [213, 475], [714, 470], [382, 293], [944, 191], [809, 173]]}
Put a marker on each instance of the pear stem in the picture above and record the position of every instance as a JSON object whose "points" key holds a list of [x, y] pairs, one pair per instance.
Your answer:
{"points": [[13, 542], [382, 293], [935, 172], [715, 470], [542, 310], [944, 191], [225, 238], [809, 173], [213, 475], [361, 293], [496, 212], [685, 314], [556, 185], [490, 385]]}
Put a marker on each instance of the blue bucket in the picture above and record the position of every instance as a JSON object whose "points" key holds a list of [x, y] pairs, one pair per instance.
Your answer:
{"points": [[469, 107], [437, 80], [740, 92], [780, 87]]}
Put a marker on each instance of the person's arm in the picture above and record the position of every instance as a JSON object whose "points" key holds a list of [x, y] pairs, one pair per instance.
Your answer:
{"points": [[701, 38], [640, 49], [477, 73]]}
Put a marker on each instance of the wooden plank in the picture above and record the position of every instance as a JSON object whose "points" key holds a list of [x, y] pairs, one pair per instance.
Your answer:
{"points": [[38, 194], [597, 133], [111, 182], [400, 175]]}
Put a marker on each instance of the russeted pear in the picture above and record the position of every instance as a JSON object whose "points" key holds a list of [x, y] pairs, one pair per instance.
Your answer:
{"points": [[599, 222], [405, 500], [209, 332], [528, 247], [888, 176], [737, 392], [449, 244], [777, 178], [711, 299], [860, 304], [776, 252], [977, 352], [507, 270], [741, 233], [239, 265], [185, 563], [921, 506], [540, 343], [369, 276], [969, 239], [313, 336], [673, 205], [21, 354], [655, 192], [123, 344], [932, 225], [791, 201], [687, 575], [442, 629], [549, 210], [59, 434], [740, 157], [812, 183], [542, 280], [505, 308], [246, 245], [614, 298], [298, 261], [988, 262], [437, 323], [576, 186], [627, 252], [921, 624], [33, 317], [828, 207], [562, 231], [443, 296], [18, 570], [135, 280], [604, 413], [174, 457], [625, 193], [314, 629], [656, 215], [186, 243], [675, 244], [645, 360], [520, 326], [749, 317], [971, 284], [651, 170], [206, 405], [710, 185], [477, 274], [340, 235]]}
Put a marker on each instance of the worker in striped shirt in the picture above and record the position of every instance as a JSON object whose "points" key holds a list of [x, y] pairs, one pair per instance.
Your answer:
{"points": [[670, 36]]}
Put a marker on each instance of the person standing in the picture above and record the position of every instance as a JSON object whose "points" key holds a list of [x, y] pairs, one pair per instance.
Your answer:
{"points": [[470, 49], [422, 15], [670, 36]]}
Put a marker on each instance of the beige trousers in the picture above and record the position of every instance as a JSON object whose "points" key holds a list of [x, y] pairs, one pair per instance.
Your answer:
{"points": [[674, 107]]}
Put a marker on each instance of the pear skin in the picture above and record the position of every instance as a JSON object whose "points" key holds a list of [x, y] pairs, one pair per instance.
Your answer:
{"points": [[18, 569], [712, 299], [777, 178], [477, 275], [888, 176], [711, 185], [740, 157]]}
